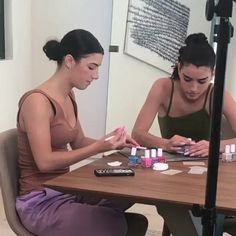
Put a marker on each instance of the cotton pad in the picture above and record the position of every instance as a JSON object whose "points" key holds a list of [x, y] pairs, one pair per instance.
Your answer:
{"points": [[160, 166]]}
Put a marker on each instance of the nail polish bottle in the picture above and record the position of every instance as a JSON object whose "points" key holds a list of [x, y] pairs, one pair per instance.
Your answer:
{"points": [[160, 156], [227, 156], [233, 151], [154, 156], [133, 158], [186, 148], [146, 161]]}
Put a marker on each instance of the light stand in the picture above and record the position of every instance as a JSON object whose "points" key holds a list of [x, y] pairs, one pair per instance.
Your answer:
{"points": [[223, 9]]}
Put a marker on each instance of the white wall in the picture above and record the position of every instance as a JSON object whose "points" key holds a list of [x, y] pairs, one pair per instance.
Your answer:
{"points": [[30, 24], [53, 18], [15, 72], [129, 78]]}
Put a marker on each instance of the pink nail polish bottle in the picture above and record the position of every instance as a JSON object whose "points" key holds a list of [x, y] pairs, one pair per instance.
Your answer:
{"points": [[146, 160], [160, 156]]}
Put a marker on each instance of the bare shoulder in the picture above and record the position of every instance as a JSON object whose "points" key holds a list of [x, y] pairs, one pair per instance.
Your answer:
{"points": [[162, 87], [35, 99], [36, 105], [227, 93], [162, 83], [229, 100], [36, 109]]}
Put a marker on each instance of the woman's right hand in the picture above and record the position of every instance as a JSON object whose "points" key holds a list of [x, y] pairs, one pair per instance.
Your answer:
{"points": [[175, 143]]}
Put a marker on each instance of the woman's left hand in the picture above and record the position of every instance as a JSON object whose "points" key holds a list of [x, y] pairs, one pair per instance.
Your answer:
{"points": [[199, 149]]}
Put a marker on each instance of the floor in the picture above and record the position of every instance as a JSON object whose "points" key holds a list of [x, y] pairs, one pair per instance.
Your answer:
{"points": [[155, 221]]}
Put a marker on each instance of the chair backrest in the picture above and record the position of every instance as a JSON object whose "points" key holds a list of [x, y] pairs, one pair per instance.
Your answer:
{"points": [[9, 176]]}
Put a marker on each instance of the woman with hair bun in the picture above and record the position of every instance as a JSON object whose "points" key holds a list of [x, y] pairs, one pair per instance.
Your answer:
{"points": [[183, 105], [47, 122]]}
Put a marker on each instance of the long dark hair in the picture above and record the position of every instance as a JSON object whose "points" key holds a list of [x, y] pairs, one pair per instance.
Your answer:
{"points": [[78, 43], [197, 52]]}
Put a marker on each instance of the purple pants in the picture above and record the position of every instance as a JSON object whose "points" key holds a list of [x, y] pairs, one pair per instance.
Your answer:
{"points": [[52, 213]]}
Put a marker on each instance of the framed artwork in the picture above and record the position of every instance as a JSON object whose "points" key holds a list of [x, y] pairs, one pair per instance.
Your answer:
{"points": [[156, 29]]}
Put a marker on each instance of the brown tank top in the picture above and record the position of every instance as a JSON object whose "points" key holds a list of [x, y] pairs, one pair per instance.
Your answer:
{"points": [[61, 132]]}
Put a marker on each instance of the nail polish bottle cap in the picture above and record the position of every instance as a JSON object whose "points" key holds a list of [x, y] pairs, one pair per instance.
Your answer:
{"points": [[153, 153], [159, 152], [147, 153], [133, 151], [232, 148], [227, 148]]}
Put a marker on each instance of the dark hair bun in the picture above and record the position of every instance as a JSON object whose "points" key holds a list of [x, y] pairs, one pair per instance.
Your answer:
{"points": [[198, 38], [52, 50]]}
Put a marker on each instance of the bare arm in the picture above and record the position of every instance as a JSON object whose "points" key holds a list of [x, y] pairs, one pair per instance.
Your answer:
{"points": [[229, 110], [146, 118]]}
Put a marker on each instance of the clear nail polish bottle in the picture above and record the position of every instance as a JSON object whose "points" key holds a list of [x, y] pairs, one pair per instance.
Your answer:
{"points": [[186, 148], [233, 151], [227, 156]]}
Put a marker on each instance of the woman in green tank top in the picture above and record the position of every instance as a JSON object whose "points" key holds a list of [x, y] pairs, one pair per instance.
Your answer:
{"points": [[182, 103]]}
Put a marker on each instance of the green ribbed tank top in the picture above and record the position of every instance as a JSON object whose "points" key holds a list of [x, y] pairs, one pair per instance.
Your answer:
{"points": [[195, 125]]}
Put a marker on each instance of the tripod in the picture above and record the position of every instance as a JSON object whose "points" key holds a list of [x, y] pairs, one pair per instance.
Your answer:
{"points": [[224, 32]]}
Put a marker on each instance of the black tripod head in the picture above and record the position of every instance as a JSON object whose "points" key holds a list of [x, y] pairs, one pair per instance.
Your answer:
{"points": [[222, 9]]}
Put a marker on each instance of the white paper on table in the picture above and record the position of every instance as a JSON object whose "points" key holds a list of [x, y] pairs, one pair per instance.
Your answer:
{"points": [[194, 163], [197, 170], [171, 172]]}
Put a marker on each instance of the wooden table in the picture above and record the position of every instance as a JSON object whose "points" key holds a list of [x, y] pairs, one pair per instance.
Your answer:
{"points": [[149, 186]]}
